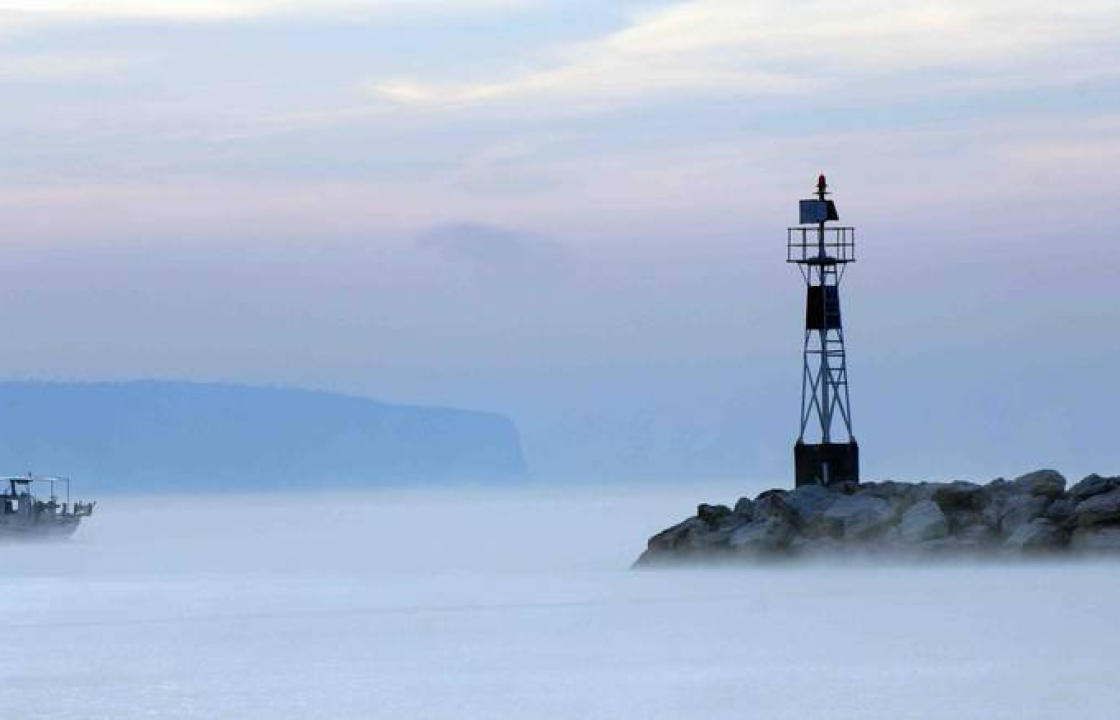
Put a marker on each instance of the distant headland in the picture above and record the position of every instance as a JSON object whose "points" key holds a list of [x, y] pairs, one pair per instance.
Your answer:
{"points": [[155, 435]]}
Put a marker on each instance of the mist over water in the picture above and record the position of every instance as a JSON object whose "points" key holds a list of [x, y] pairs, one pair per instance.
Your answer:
{"points": [[518, 604]]}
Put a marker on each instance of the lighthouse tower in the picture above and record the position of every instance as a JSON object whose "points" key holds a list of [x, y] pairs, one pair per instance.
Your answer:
{"points": [[826, 451]]}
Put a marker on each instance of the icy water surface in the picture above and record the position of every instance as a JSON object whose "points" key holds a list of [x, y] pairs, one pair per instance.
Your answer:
{"points": [[519, 604]]}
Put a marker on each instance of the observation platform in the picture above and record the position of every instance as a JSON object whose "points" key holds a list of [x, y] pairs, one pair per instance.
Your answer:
{"points": [[803, 245]]}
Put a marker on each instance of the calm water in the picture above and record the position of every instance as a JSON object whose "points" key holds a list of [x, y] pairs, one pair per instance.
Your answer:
{"points": [[519, 604]]}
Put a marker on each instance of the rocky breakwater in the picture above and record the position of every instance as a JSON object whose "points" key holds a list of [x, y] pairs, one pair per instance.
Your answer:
{"points": [[1033, 514]]}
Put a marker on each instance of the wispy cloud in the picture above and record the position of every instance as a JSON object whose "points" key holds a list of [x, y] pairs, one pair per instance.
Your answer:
{"points": [[776, 46], [491, 247], [198, 10], [61, 66], [693, 110]]}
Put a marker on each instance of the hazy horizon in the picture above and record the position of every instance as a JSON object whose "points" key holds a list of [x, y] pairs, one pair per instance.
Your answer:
{"points": [[573, 214]]}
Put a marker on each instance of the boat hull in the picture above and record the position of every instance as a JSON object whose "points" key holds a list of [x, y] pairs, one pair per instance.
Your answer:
{"points": [[46, 528]]}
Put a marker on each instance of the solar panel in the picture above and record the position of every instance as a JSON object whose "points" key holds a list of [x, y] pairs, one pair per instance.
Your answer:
{"points": [[817, 211]]}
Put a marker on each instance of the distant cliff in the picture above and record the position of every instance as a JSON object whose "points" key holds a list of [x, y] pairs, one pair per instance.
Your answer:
{"points": [[174, 435]]}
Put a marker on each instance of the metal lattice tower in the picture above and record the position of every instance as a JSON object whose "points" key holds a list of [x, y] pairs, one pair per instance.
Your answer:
{"points": [[822, 252]]}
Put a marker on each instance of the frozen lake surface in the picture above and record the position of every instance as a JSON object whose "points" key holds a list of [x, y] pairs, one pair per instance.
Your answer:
{"points": [[519, 604]]}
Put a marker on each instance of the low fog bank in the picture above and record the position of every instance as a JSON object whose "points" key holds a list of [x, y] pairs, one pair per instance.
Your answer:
{"points": [[421, 530], [519, 603]]}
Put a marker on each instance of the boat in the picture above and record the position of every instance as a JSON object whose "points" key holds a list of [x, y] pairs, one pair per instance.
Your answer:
{"points": [[25, 516]]}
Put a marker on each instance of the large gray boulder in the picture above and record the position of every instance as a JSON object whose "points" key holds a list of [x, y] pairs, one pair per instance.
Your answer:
{"points": [[891, 490], [744, 507], [1098, 509], [692, 538], [700, 539], [1093, 485], [1096, 539], [667, 540], [762, 536], [857, 517], [923, 521], [1048, 483], [816, 545], [712, 514], [976, 536], [1038, 535], [670, 544], [807, 504], [772, 505], [996, 500], [955, 496], [1060, 511], [968, 540], [900, 495], [705, 539], [1019, 510]]}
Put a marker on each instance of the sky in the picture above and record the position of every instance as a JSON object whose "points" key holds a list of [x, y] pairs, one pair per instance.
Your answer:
{"points": [[574, 213]]}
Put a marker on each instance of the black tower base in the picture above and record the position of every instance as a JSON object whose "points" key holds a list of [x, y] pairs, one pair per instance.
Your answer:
{"points": [[826, 463]]}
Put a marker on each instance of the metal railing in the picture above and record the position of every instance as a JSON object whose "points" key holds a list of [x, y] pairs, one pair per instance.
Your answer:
{"points": [[803, 245]]}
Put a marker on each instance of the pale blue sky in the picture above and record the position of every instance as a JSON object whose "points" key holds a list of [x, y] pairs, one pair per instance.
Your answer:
{"points": [[574, 212]]}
